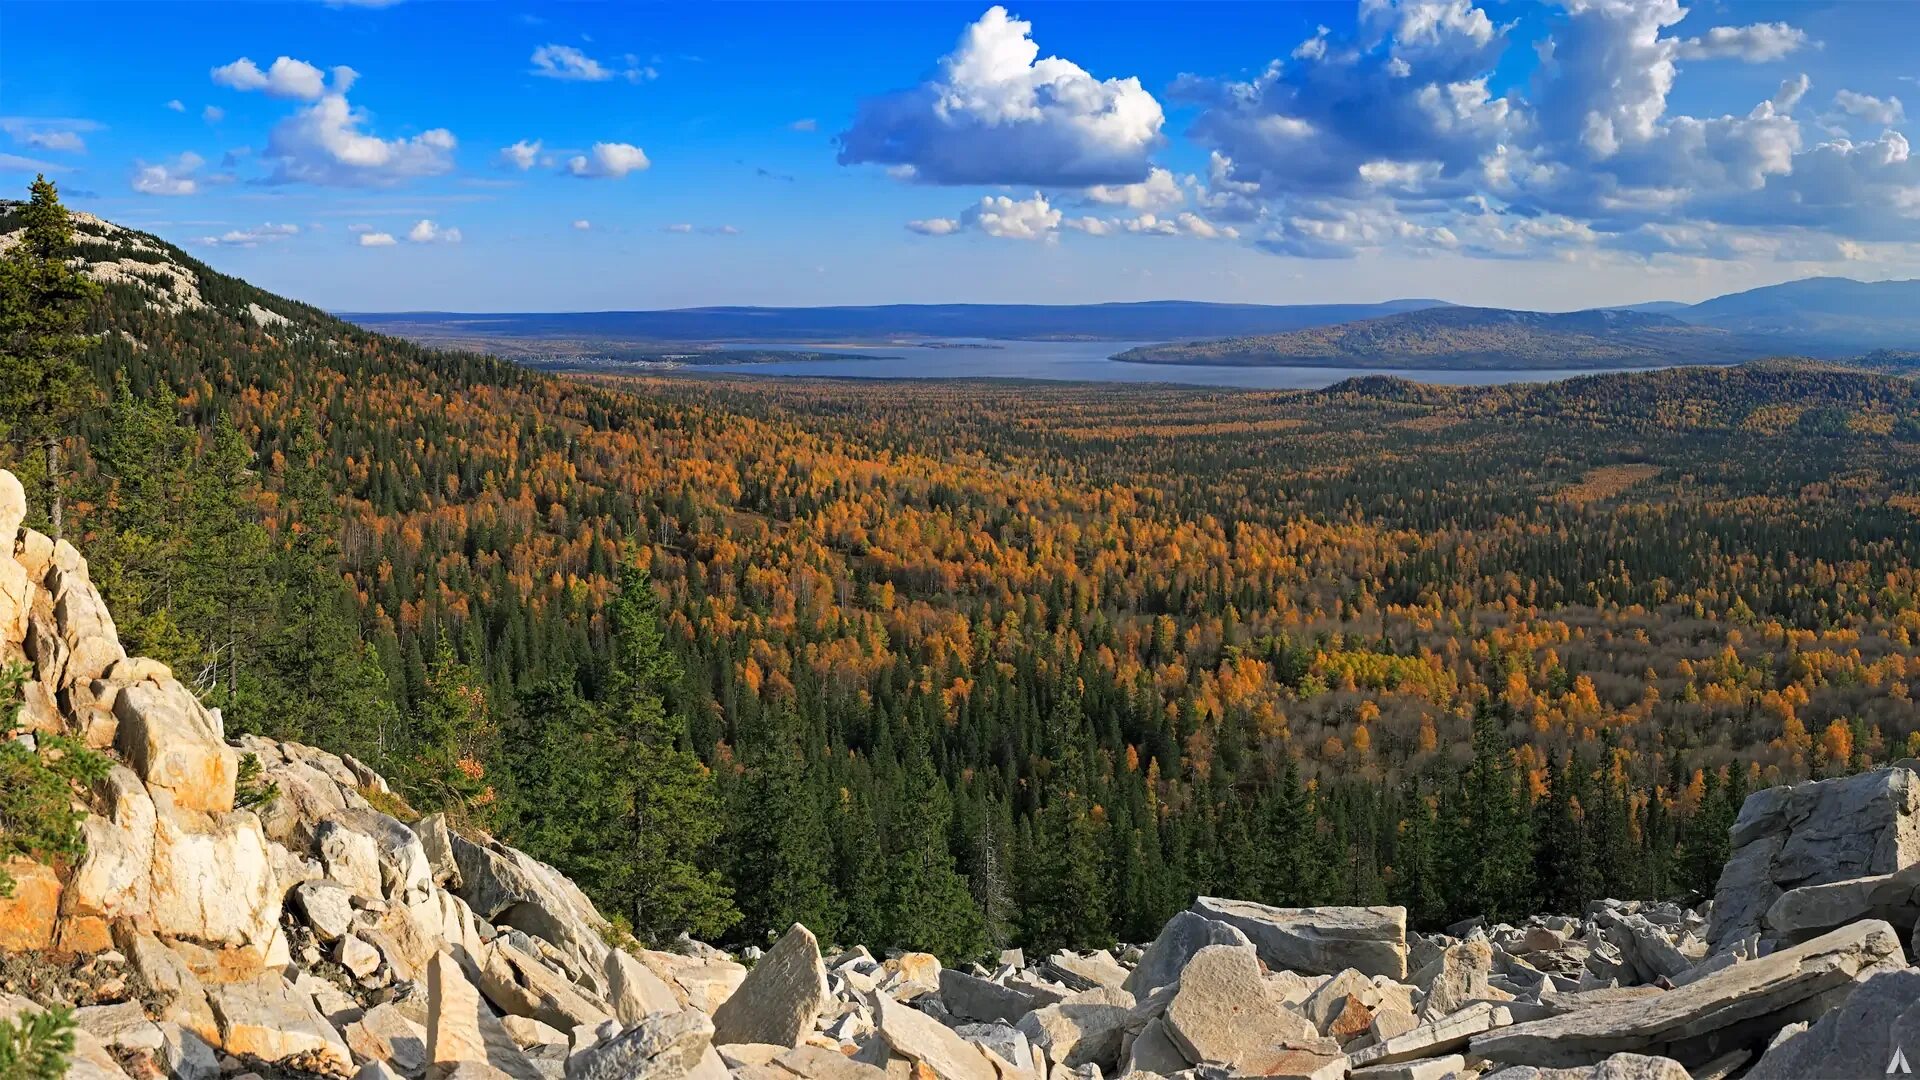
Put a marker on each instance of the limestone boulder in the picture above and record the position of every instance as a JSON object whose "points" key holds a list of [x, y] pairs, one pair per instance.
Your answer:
{"points": [[13, 508], [29, 916], [461, 1030], [970, 997], [1087, 1028], [633, 990], [85, 627], [1857, 1039], [1222, 1015], [510, 888], [1814, 909], [1321, 940], [665, 1046], [1462, 977], [113, 879], [929, 1044], [1814, 833], [385, 1034], [268, 1019], [16, 600], [213, 879], [175, 744], [781, 996], [1434, 1038], [1183, 935], [521, 983]]}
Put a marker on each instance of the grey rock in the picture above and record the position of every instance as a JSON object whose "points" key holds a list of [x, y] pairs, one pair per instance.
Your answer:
{"points": [[1815, 833], [1814, 909], [1705, 1018], [326, 906], [1857, 1039], [932, 1044], [665, 1046], [124, 1026], [780, 997], [1320, 940], [1184, 935], [973, 998], [1086, 1028]]}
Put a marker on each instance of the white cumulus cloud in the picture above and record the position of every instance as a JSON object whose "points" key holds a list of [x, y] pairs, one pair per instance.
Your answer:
{"points": [[940, 226], [1755, 44], [582, 224], [426, 231], [377, 239], [996, 113], [326, 143], [1013, 219], [285, 78], [609, 160], [521, 155], [175, 177]]}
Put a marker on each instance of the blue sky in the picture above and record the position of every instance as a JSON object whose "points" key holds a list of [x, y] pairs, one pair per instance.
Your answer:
{"points": [[1538, 155]]}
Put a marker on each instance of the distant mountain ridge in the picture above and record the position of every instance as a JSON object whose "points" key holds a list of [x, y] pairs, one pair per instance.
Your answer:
{"points": [[1154, 320], [1820, 316], [1467, 338]]}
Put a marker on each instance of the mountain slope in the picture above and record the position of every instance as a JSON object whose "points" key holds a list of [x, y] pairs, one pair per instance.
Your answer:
{"points": [[1153, 320], [1466, 337], [1826, 317]]}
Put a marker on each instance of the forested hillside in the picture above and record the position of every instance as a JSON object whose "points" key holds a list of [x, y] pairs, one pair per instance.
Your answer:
{"points": [[1477, 651], [1470, 337]]}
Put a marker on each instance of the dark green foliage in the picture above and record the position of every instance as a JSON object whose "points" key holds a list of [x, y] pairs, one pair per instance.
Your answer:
{"points": [[43, 302], [782, 848], [925, 904], [37, 790], [36, 1046]]}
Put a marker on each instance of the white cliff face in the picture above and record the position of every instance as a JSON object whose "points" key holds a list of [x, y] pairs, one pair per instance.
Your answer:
{"points": [[322, 934]]}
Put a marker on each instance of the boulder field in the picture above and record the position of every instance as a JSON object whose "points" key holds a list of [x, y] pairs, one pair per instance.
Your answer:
{"points": [[317, 934]]}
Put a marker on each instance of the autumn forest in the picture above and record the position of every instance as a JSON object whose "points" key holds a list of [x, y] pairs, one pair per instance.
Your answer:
{"points": [[1482, 650]]}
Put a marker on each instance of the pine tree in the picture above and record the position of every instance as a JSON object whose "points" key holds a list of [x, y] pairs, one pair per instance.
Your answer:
{"points": [[43, 386], [671, 816]]}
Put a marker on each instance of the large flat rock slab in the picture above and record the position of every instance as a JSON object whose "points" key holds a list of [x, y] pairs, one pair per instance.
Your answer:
{"points": [[1726, 1003], [1323, 940]]}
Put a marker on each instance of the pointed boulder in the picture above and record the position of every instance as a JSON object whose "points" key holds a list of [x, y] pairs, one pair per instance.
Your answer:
{"points": [[782, 995]]}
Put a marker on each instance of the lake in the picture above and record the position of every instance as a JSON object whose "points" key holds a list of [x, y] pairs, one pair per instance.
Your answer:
{"points": [[1084, 361]]}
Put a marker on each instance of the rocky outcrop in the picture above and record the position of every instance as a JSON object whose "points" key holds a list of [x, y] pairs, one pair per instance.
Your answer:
{"points": [[1815, 833]]}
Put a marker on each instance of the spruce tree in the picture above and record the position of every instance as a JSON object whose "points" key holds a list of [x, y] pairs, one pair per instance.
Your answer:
{"points": [[667, 882], [783, 852], [1064, 883], [926, 904], [43, 301]]}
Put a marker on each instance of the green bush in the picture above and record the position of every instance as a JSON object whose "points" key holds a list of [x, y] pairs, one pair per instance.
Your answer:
{"points": [[37, 818], [36, 1047]]}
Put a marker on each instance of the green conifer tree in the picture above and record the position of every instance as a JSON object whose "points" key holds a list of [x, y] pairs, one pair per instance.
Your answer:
{"points": [[667, 881], [43, 302]]}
